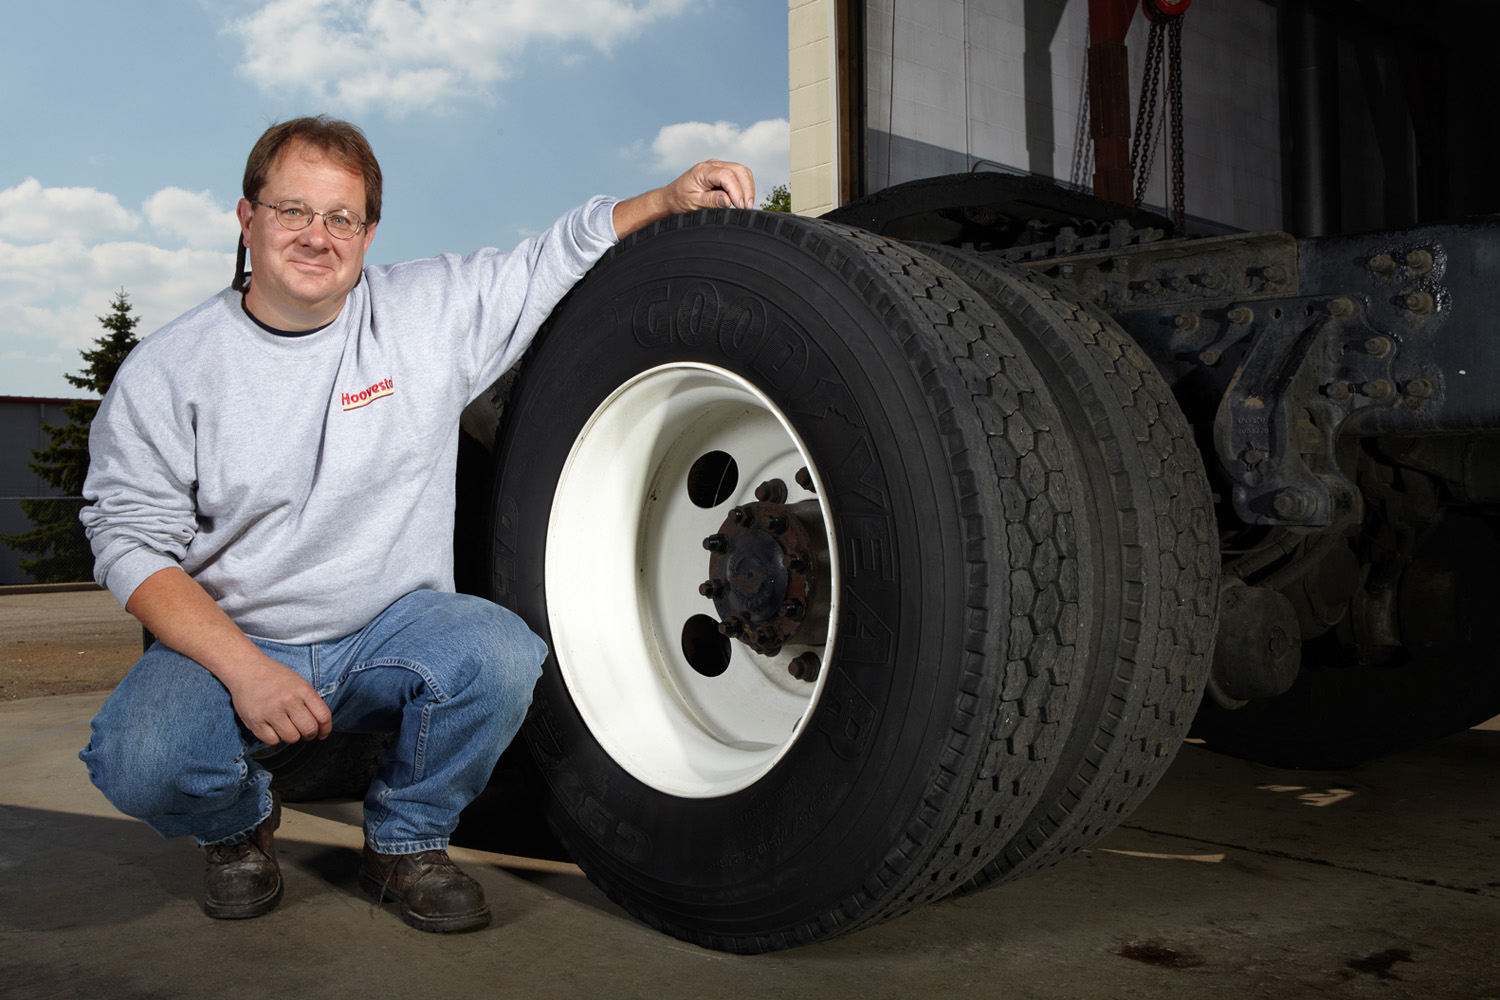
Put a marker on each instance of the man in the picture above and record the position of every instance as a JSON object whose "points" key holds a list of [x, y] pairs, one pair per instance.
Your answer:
{"points": [[272, 496]]}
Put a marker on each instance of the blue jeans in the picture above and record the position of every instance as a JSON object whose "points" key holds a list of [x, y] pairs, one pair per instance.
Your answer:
{"points": [[450, 674]]}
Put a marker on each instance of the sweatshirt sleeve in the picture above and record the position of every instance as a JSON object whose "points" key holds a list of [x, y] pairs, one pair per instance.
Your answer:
{"points": [[522, 287], [140, 482]]}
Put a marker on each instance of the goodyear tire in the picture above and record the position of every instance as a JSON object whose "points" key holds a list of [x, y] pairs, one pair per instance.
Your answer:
{"points": [[1149, 519], [700, 783]]}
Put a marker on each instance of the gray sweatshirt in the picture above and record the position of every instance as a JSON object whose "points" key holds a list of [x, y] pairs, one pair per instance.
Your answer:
{"points": [[308, 482]]}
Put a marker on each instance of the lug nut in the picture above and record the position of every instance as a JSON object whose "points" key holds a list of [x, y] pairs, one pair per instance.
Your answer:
{"points": [[793, 609], [805, 667], [776, 524], [1418, 302], [797, 564], [805, 480], [715, 543], [771, 491], [1419, 388], [1339, 390], [741, 515], [712, 589], [1420, 261]]}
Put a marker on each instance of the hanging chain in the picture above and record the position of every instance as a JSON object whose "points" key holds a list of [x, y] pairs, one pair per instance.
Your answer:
{"points": [[1165, 32], [1083, 138], [1145, 115], [1174, 99]]}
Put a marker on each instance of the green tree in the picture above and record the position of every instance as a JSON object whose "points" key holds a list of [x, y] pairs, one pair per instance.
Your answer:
{"points": [[56, 537], [779, 200]]}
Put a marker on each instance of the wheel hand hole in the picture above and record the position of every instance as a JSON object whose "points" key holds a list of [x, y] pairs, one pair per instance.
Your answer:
{"points": [[712, 479], [706, 649]]}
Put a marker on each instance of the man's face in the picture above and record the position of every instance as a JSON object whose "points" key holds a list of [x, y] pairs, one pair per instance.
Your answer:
{"points": [[300, 278]]}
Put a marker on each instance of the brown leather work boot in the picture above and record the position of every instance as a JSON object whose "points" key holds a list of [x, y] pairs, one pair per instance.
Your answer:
{"points": [[243, 880], [434, 894]]}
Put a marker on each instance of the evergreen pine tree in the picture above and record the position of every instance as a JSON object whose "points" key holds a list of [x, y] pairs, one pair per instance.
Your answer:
{"points": [[56, 536]]}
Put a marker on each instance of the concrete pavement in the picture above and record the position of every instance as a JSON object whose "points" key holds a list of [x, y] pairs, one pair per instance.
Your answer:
{"points": [[1233, 880]]}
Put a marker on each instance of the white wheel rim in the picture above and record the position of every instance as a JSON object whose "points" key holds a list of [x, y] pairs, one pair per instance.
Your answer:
{"points": [[624, 562]]}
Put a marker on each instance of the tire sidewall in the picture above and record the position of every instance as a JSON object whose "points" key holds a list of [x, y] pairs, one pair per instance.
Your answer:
{"points": [[837, 802]]}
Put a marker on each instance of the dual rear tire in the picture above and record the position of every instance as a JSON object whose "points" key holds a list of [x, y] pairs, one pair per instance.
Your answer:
{"points": [[980, 651]]}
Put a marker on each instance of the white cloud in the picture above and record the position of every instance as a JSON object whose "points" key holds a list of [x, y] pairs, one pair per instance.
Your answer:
{"points": [[29, 211], [65, 252], [193, 217], [402, 55], [764, 147]]}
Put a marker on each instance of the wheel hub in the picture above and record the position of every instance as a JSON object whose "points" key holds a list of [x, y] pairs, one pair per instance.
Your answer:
{"points": [[760, 570]]}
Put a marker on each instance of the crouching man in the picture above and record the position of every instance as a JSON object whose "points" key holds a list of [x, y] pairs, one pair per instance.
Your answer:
{"points": [[272, 492]]}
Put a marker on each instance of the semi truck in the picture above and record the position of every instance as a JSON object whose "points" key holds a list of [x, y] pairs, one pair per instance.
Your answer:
{"points": [[892, 554]]}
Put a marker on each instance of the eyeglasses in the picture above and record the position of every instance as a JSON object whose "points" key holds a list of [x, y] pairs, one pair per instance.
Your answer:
{"points": [[294, 215]]}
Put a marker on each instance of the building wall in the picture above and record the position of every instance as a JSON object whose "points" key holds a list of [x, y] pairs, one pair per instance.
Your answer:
{"points": [[813, 99], [21, 420], [954, 85]]}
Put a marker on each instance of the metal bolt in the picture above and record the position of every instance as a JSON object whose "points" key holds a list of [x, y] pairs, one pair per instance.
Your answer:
{"points": [[1383, 264], [1378, 347], [1420, 261], [1210, 281], [1419, 388], [1418, 302], [1148, 286], [1273, 273], [1186, 322], [1241, 315], [793, 609], [1377, 389], [1339, 390], [805, 667], [742, 515], [731, 627], [715, 543], [805, 480], [771, 491], [1340, 306], [712, 589], [1293, 504], [776, 524], [1180, 284], [1211, 357], [797, 564], [1254, 456]]}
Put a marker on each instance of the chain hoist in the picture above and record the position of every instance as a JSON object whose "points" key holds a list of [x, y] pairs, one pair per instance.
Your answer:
{"points": [[1165, 38]]}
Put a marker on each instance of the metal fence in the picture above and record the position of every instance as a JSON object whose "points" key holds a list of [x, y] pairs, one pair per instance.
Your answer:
{"points": [[60, 553]]}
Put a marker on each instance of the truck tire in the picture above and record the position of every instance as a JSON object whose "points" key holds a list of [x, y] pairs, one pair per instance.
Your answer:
{"points": [[1445, 679], [1151, 521], [698, 782]]}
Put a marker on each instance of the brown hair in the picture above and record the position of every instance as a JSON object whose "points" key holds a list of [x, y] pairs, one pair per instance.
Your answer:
{"points": [[342, 141]]}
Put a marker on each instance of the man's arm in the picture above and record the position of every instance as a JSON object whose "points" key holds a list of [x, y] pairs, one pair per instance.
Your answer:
{"points": [[273, 702], [711, 184]]}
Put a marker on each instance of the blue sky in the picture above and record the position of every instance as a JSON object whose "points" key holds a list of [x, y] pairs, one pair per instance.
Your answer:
{"points": [[126, 127]]}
